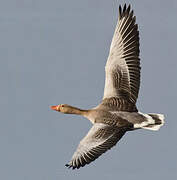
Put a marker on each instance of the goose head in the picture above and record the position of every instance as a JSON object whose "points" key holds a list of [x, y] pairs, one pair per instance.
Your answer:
{"points": [[66, 109]]}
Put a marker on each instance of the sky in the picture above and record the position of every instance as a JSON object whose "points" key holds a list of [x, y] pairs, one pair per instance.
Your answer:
{"points": [[54, 52]]}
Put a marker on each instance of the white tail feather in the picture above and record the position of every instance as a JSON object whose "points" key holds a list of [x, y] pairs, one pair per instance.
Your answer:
{"points": [[153, 121], [159, 121]]}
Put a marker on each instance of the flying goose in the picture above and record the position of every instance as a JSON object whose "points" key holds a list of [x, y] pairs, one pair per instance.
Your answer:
{"points": [[117, 113]]}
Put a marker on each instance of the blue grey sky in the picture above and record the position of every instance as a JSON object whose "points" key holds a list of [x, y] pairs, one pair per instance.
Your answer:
{"points": [[54, 52]]}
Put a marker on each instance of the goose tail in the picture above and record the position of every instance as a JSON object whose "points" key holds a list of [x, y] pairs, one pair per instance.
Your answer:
{"points": [[152, 122]]}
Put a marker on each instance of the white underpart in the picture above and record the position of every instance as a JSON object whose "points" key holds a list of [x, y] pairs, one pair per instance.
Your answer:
{"points": [[157, 127], [154, 128], [149, 120], [160, 116]]}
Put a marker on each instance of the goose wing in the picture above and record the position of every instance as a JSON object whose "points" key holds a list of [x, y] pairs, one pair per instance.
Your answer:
{"points": [[99, 139], [123, 64]]}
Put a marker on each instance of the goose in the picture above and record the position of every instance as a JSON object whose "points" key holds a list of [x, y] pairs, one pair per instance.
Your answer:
{"points": [[117, 113]]}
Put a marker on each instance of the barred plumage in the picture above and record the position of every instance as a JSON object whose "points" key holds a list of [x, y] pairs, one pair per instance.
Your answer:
{"points": [[117, 104]]}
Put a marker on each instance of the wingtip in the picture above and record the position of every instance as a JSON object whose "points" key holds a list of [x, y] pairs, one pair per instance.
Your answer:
{"points": [[128, 9], [120, 11], [70, 166], [124, 10]]}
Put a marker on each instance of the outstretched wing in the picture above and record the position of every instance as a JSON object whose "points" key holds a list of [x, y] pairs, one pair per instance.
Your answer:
{"points": [[99, 139], [123, 64]]}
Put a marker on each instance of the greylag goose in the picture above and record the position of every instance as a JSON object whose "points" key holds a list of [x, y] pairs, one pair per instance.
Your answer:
{"points": [[117, 113]]}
